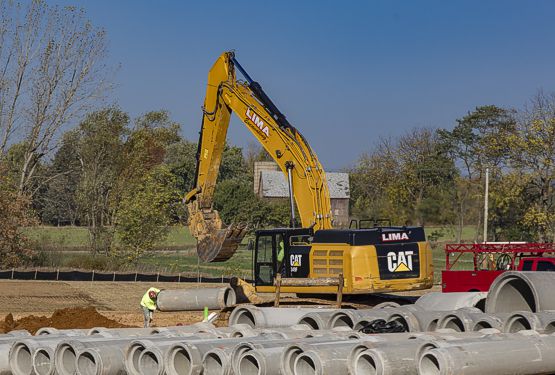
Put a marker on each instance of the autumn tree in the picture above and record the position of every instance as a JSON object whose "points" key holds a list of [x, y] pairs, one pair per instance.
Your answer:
{"points": [[533, 157], [15, 213], [53, 69]]}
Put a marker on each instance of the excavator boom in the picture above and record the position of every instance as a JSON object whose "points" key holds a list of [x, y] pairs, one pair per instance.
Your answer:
{"points": [[224, 95]]}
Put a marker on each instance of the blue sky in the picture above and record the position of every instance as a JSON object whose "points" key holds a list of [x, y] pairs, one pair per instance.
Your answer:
{"points": [[345, 73]]}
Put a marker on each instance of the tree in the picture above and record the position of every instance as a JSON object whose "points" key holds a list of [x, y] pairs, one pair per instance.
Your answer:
{"points": [[100, 150], [59, 201], [53, 68], [146, 211], [15, 213], [181, 159], [479, 139], [404, 179], [532, 154]]}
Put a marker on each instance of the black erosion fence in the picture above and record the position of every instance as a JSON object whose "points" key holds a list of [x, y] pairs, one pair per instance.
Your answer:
{"points": [[80, 275]]}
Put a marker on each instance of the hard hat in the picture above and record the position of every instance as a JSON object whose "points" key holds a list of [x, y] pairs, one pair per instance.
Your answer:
{"points": [[152, 294]]}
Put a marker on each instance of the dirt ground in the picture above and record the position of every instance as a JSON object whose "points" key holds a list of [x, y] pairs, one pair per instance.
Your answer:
{"points": [[74, 303], [116, 301]]}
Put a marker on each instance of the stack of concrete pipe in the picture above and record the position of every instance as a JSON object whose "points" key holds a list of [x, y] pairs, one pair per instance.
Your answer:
{"points": [[514, 335]]}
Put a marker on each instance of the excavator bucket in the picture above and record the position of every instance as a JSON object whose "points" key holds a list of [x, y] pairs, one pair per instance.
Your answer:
{"points": [[220, 244]]}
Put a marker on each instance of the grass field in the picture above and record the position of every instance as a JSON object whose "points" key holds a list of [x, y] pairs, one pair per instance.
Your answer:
{"points": [[176, 254], [77, 238]]}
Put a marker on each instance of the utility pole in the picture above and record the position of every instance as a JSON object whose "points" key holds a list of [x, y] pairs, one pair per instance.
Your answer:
{"points": [[486, 207]]}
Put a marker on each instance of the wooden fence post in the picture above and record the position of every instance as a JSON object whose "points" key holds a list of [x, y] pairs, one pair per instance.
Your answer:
{"points": [[277, 282]]}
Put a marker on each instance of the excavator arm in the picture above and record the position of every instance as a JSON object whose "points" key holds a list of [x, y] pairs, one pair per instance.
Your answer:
{"points": [[224, 95]]}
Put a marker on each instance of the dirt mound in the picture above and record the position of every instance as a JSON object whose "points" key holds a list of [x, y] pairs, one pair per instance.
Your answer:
{"points": [[70, 318]]}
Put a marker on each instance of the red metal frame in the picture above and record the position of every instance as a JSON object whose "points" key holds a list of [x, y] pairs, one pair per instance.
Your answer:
{"points": [[516, 249]]}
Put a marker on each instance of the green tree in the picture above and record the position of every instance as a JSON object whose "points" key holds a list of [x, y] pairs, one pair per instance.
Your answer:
{"points": [[403, 180], [101, 142], [146, 211], [478, 141], [62, 176]]}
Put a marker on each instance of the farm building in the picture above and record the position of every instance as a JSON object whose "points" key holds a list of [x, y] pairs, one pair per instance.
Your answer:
{"points": [[271, 184]]}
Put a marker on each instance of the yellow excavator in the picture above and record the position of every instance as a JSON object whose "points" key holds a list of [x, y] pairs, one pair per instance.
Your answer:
{"points": [[377, 259]]}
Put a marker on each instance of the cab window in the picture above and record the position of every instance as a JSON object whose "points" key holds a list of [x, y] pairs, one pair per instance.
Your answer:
{"points": [[527, 265], [544, 265]]}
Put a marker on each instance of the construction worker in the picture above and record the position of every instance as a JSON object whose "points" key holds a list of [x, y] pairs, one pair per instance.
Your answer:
{"points": [[280, 256], [148, 304]]}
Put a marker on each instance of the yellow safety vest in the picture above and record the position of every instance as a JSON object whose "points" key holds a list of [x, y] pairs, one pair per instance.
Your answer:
{"points": [[147, 301]]}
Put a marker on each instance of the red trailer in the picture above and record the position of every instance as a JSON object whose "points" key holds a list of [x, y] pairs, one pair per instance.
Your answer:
{"points": [[491, 259]]}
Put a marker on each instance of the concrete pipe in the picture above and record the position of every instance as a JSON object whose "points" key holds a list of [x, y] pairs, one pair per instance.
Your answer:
{"points": [[461, 320], [61, 332], [294, 332], [260, 361], [121, 332], [521, 321], [269, 317], [101, 360], [21, 358], [427, 320], [242, 330], [67, 351], [375, 341], [16, 333], [5, 346], [43, 360], [262, 345], [151, 361], [343, 318], [136, 347], [386, 305], [323, 359], [521, 291], [22, 351], [241, 349], [387, 361], [292, 351], [401, 357], [186, 357], [410, 316], [195, 299], [318, 320], [543, 322], [191, 328], [522, 354], [437, 301], [217, 361], [65, 356], [547, 320], [97, 355], [488, 321]]}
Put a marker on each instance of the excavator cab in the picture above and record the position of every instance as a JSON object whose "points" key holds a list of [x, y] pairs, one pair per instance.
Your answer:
{"points": [[296, 248]]}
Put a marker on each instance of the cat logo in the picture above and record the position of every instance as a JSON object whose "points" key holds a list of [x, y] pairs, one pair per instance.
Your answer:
{"points": [[295, 262], [399, 261]]}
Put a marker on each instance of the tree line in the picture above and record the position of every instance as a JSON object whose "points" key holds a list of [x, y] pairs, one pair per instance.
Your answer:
{"points": [[66, 158], [436, 176]]}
